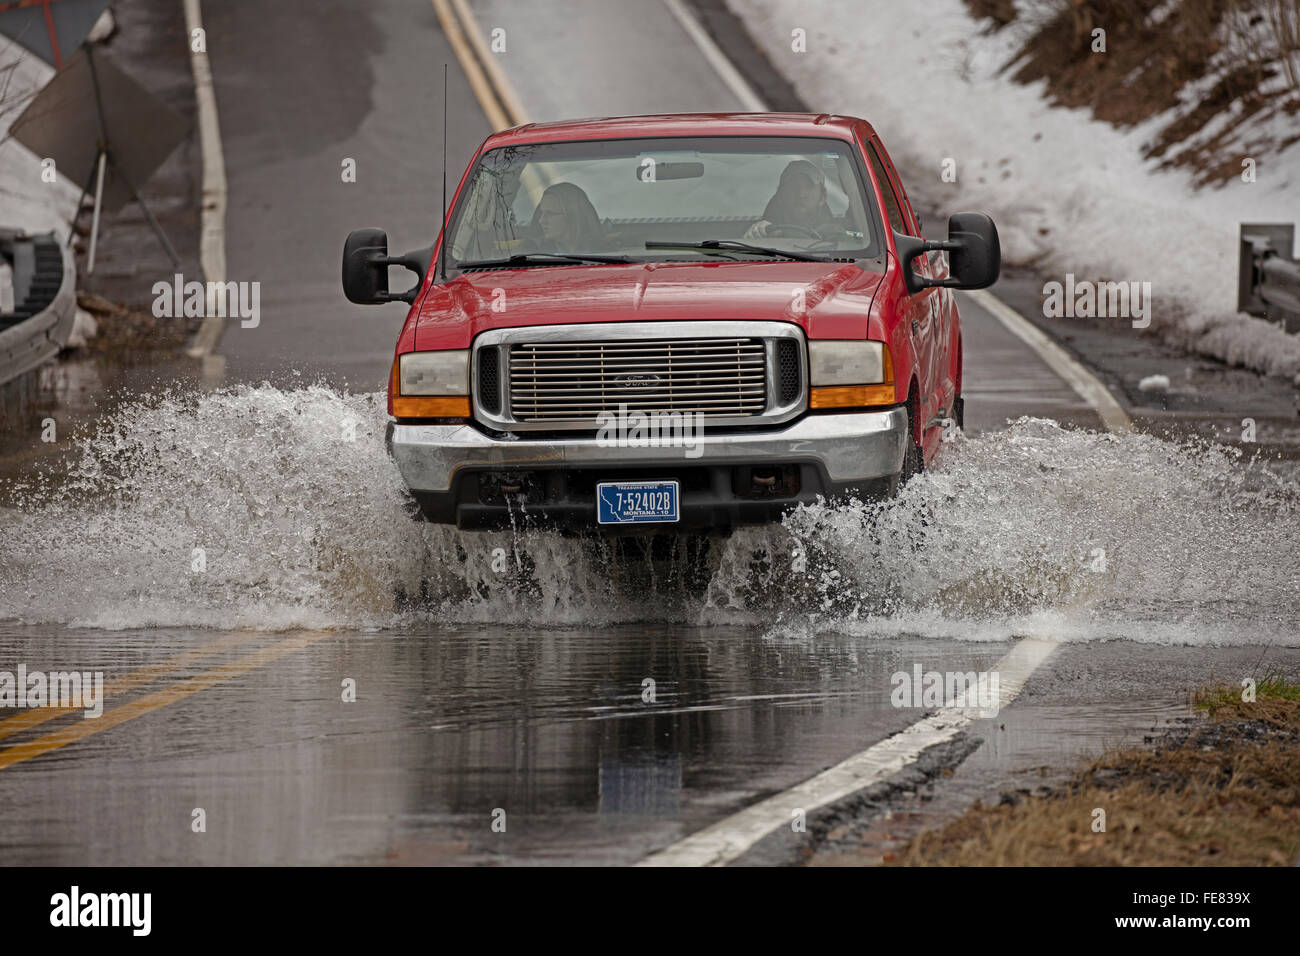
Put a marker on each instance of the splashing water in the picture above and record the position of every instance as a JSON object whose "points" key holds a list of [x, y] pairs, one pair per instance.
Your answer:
{"points": [[1073, 535], [263, 508]]}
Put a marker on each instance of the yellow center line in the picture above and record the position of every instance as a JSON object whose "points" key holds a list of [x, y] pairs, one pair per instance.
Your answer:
{"points": [[161, 698], [478, 79], [492, 88], [120, 685], [496, 76]]}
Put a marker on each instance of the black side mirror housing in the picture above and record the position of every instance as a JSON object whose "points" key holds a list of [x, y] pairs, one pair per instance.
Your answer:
{"points": [[974, 254], [977, 258], [365, 268]]}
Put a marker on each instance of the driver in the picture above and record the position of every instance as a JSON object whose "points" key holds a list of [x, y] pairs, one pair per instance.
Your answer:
{"points": [[799, 201], [567, 220]]}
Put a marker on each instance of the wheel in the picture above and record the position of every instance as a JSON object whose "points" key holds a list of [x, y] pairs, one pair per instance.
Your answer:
{"points": [[914, 464], [913, 460]]}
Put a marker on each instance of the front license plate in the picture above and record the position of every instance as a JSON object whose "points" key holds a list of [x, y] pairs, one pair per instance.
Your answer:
{"points": [[636, 502]]}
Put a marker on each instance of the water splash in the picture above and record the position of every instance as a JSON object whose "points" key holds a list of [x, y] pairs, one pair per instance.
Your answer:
{"points": [[249, 507], [264, 508], [1070, 534]]}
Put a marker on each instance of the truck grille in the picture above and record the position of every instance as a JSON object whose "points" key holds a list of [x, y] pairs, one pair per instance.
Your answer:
{"points": [[576, 381]]}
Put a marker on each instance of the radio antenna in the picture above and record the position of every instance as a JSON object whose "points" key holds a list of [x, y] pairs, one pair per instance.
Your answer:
{"points": [[442, 240]]}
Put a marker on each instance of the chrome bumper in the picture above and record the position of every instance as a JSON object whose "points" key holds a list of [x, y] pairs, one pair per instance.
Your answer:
{"points": [[849, 447]]}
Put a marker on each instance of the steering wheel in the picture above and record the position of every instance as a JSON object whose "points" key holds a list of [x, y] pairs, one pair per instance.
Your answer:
{"points": [[781, 230]]}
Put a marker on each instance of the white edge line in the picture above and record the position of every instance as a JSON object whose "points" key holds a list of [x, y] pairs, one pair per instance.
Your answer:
{"points": [[1089, 387], [212, 239], [727, 840], [725, 69]]}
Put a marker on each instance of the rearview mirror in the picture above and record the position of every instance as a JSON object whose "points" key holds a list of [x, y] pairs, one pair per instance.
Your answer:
{"points": [[974, 254], [650, 171]]}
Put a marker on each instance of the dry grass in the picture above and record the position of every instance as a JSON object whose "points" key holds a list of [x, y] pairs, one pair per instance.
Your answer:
{"points": [[1224, 794], [131, 334]]}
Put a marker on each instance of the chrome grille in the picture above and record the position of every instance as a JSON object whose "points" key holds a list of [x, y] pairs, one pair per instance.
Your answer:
{"points": [[576, 381]]}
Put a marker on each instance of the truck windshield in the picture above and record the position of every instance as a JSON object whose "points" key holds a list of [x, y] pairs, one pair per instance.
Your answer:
{"points": [[531, 204]]}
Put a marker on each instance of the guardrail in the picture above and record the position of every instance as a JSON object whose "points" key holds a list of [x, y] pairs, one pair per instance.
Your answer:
{"points": [[45, 302], [1268, 278]]}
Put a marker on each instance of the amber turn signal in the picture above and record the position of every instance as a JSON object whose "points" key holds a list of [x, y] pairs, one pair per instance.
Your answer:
{"points": [[431, 406], [850, 396]]}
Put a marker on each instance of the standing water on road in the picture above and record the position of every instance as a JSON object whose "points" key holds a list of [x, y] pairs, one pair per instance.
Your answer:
{"points": [[264, 508]]}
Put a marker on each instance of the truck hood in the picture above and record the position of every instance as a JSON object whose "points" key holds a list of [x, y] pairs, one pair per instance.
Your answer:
{"points": [[836, 297]]}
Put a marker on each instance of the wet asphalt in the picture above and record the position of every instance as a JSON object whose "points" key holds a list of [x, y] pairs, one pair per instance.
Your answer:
{"points": [[454, 730]]}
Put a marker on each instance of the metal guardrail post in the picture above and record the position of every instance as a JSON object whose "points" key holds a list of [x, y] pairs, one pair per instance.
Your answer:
{"points": [[1268, 277]]}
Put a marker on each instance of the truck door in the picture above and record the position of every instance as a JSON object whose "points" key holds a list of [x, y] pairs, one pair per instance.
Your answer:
{"points": [[922, 310]]}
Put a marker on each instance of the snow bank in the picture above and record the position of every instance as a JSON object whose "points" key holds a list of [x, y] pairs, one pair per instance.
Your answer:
{"points": [[1069, 193]]}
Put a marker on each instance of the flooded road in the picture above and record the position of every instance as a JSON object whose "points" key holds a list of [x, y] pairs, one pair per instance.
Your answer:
{"points": [[454, 726], [294, 666], [448, 726]]}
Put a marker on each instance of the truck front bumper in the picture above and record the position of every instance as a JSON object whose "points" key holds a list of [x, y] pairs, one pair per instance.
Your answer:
{"points": [[462, 476]]}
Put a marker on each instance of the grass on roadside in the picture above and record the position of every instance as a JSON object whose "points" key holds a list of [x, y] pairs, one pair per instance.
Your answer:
{"points": [[1222, 793], [130, 335]]}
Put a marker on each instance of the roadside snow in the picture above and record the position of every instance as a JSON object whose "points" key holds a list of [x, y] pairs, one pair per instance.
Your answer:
{"points": [[26, 202], [1068, 193]]}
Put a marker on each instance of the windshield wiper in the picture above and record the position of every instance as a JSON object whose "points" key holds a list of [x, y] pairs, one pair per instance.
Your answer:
{"points": [[737, 246], [543, 258]]}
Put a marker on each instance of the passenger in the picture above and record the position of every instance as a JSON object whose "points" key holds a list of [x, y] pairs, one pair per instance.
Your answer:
{"points": [[567, 221], [799, 202]]}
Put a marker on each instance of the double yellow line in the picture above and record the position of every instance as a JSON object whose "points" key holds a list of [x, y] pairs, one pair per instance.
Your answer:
{"points": [[486, 78], [492, 88], [149, 702]]}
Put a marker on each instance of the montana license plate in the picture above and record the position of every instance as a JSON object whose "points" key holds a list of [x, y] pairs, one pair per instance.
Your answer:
{"points": [[636, 502]]}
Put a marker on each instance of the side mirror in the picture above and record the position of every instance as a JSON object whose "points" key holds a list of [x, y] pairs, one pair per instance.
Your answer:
{"points": [[976, 259], [974, 254], [365, 268]]}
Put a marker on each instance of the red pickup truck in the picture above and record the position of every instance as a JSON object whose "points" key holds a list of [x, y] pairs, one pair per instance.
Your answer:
{"points": [[673, 322]]}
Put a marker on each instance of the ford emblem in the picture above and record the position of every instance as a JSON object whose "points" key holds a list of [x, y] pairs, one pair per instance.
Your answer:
{"points": [[635, 380]]}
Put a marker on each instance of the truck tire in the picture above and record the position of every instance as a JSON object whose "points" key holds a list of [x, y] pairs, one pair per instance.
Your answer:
{"points": [[913, 459]]}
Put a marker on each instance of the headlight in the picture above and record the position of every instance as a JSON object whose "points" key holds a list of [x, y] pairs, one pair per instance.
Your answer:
{"points": [[430, 385], [841, 362], [849, 374], [434, 373]]}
